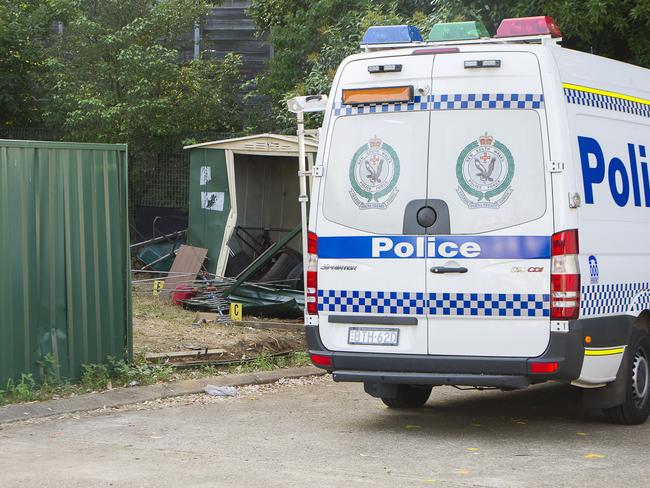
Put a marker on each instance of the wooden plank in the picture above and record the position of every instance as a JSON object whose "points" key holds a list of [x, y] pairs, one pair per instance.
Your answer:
{"points": [[187, 264], [183, 354]]}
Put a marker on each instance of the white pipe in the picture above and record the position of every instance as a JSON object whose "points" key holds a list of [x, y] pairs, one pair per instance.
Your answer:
{"points": [[303, 198]]}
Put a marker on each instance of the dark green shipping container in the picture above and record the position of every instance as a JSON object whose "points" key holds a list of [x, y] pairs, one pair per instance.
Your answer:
{"points": [[64, 256]]}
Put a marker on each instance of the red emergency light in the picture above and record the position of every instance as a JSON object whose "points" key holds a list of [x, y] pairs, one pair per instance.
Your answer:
{"points": [[528, 26]]}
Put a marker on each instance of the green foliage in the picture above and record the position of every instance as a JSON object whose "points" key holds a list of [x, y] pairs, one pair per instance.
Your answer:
{"points": [[24, 26], [117, 372], [94, 377], [267, 362], [117, 76], [138, 373], [311, 38], [23, 391]]}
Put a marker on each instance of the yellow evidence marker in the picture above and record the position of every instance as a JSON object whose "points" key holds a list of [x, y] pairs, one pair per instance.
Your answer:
{"points": [[157, 286], [236, 312]]}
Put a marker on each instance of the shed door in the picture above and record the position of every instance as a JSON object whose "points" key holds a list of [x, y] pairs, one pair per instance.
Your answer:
{"points": [[209, 202]]}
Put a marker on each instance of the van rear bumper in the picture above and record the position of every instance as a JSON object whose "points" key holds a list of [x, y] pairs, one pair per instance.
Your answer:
{"points": [[565, 348], [433, 379]]}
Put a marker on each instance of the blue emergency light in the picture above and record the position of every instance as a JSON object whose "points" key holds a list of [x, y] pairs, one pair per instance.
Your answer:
{"points": [[391, 34]]}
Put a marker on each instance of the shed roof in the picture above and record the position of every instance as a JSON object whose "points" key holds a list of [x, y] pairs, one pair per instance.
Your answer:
{"points": [[261, 144]]}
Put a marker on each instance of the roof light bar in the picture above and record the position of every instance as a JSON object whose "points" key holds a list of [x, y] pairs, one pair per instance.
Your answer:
{"points": [[391, 34], [387, 94], [528, 26], [457, 31]]}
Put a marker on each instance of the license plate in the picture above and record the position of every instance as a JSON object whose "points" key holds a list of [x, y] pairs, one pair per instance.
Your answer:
{"points": [[373, 336]]}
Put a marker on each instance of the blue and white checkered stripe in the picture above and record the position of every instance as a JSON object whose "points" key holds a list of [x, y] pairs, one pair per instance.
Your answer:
{"points": [[606, 102], [614, 298], [458, 101], [408, 303], [387, 302], [489, 304]]}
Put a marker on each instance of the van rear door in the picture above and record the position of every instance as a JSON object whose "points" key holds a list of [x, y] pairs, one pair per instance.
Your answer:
{"points": [[488, 263], [371, 283]]}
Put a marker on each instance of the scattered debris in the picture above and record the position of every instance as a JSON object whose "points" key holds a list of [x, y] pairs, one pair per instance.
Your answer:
{"points": [[157, 253], [188, 262]]}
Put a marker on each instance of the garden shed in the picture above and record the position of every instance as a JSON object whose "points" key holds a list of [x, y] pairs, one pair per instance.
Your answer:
{"points": [[244, 196]]}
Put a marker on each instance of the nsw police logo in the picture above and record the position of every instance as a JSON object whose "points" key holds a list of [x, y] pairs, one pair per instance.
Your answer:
{"points": [[374, 172], [484, 170]]}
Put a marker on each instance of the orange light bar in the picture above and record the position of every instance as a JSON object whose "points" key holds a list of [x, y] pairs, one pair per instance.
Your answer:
{"points": [[384, 94]]}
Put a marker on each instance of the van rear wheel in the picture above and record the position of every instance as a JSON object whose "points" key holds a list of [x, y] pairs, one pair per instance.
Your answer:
{"points": [[636, 408], [409, 396]]}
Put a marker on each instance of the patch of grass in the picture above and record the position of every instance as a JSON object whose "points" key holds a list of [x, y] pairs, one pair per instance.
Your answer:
{"points": [[118, 373], [146, 306], [267, 362]]}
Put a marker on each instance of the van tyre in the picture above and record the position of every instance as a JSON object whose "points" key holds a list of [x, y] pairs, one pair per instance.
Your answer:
{"points": [[636, 408], [409, 396]]}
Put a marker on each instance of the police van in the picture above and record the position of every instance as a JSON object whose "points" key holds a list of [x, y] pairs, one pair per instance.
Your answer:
{"points": [[481, 217]]}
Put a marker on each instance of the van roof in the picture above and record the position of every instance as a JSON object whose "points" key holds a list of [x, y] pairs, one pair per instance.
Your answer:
{"points": [[575, 66]]}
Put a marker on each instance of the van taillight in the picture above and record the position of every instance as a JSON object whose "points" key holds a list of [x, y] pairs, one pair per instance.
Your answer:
{"points": [[312, 274], [565, 276]]}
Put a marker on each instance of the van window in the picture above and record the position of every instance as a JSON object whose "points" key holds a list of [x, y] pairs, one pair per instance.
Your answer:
{"points": [[377, 164], [488, 166]]}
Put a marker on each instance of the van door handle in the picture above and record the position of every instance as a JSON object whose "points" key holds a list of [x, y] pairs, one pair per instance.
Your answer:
{"points": [[448, 269]]}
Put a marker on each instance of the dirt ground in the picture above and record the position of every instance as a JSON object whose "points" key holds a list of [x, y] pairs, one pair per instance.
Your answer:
{"points": [[160, 327]]}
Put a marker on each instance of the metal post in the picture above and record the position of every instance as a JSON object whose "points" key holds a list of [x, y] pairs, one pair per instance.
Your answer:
{"points": [[300, 105], [197, 40], [303, 198]]}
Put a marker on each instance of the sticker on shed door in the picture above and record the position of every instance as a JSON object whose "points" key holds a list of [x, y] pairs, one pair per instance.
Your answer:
{"points": [[374, 173], [484, 170]]}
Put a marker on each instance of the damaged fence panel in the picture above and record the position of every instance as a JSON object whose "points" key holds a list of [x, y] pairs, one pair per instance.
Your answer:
{"points": [[64, 257]]}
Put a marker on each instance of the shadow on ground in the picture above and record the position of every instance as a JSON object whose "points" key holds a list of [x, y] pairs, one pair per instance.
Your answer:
{"points": [[549, 408]]}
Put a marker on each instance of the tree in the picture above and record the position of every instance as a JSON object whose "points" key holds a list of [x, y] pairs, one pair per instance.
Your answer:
{"points": [[311, 38], [117, 77], [24, 28]]}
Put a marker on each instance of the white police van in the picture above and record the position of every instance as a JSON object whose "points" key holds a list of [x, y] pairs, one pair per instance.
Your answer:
{"points": [[481, 217]]}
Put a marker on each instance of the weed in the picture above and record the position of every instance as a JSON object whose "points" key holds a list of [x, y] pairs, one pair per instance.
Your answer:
{"points": [[94, 377], [23, 391], [50, 370], [140, 372]]}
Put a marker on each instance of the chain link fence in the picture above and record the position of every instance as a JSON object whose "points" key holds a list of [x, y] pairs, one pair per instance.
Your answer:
{"points": [[156, 179]]}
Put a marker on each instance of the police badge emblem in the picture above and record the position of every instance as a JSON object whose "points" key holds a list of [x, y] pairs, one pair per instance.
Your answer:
{"points": [[484, 169], [374, 172]]}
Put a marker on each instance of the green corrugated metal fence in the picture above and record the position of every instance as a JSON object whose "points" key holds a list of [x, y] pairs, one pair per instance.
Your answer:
{"points": [[64, 256]]}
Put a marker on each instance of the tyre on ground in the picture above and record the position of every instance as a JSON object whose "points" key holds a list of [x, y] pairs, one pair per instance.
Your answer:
{"points": [[409, 396], [636, 407]]}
